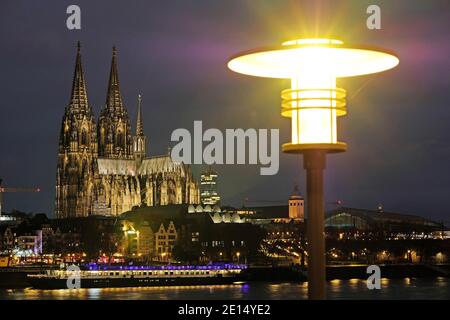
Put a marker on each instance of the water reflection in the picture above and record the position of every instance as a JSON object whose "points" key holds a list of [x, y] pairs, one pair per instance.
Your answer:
{"points": [[408, 288]]}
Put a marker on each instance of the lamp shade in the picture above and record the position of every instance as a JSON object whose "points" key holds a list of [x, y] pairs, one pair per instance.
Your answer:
{"points": [[313, 102]]}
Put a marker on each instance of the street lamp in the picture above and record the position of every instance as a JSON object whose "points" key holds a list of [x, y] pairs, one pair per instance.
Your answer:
{"points": [[313, 103]]}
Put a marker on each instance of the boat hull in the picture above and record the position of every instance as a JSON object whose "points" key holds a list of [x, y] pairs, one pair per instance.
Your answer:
{"points": [[46, 283]]}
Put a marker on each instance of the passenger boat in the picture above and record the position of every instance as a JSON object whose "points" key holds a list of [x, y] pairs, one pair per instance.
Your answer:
{"points": [[137, 276]]}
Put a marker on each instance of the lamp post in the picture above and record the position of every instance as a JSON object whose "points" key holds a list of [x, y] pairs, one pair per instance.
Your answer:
{"points": [[313, 103]]}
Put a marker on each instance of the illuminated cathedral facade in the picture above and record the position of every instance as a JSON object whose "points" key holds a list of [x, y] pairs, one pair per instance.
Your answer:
{"points": [[103, 168]]}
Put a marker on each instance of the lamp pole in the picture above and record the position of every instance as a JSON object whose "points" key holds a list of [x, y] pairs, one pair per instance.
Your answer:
{"points": [[314, 163], [313, 104]]}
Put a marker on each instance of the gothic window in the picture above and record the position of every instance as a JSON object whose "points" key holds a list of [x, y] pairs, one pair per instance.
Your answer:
{"points": [[66, 133], [102, 136], [84, 168], [171, 191], [84, 138], [120, 139]]}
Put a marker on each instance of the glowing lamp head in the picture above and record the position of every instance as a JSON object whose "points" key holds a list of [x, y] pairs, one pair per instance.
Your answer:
{"points": [[313, 102]]}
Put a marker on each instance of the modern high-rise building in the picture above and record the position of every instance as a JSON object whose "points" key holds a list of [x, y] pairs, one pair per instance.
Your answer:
{"points": [[208, 188], [103, 168]]}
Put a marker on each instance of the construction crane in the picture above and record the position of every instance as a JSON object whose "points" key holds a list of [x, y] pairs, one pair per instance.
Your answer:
{"points": [[13, 190]]}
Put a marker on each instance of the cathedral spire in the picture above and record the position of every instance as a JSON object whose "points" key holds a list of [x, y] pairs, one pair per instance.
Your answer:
{"points": [[114, 129], [77, 152], [139, 123], [114, 99], [78, 97], [139, 140]]}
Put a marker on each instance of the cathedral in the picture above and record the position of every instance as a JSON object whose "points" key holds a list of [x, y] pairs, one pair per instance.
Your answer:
{"points": [[103, 168]]}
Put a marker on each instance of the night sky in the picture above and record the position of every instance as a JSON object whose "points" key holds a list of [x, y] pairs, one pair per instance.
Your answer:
{"points": [[175, 52]]}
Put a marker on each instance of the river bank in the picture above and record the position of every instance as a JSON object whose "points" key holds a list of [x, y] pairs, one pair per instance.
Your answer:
{"points": [[343, 272]]}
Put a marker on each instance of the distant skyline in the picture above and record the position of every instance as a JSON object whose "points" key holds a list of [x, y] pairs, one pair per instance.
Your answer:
{"points": [[174, 53]]}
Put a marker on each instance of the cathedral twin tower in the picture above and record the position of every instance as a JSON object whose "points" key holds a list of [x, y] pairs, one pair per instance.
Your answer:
{"points": [[103, 168]]}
